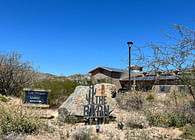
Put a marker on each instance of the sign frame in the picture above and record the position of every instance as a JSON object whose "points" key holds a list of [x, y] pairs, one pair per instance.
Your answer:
{"points": [[25, 90]]}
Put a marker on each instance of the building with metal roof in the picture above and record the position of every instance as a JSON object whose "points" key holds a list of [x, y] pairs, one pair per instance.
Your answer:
{"points": [[103, 74], [159, 83], [140, 80]]}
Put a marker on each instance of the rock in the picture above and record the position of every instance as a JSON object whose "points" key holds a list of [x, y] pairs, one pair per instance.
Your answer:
{"points": [[14, 136], [74, 105]]}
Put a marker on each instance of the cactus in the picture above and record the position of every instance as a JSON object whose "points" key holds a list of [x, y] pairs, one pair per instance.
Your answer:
{"points": [[93, 94], [90, 96]]}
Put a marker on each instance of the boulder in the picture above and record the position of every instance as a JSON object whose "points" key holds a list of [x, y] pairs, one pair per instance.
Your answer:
{"points": [[74, 105]]}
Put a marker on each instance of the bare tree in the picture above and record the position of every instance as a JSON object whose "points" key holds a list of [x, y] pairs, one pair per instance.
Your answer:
{"points": [[179, 55], [14, 74]]}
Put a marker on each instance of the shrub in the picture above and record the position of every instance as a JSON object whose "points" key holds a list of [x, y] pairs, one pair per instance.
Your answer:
{"points": [[192, 105], [146, 134], [17, 119], [71, 119], [136, 120], [189, 132], [150, 97], [169, 117], [178, 119], [3, 98], [157, 118], [130, 101], [83, 134]]}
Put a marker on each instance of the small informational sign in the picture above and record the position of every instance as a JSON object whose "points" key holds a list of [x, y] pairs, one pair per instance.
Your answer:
{"points": [[97, 106], [36, 96]]}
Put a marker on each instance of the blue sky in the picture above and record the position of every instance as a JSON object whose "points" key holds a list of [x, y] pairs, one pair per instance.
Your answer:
{"points": [[65, 37]]}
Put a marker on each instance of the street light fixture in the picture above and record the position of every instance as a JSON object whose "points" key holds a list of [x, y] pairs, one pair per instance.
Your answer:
{"points": [[130, 44]]}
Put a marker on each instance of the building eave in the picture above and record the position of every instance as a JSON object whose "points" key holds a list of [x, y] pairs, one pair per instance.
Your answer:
{"points": [[105, 68]]}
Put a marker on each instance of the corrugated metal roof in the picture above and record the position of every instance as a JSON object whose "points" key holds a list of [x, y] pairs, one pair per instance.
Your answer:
{"points": [[115, 69], [109, 69], [153, 78], [119, 70]]}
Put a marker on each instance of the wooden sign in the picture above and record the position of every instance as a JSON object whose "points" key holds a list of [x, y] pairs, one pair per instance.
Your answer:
{"points": [[36, 97]]}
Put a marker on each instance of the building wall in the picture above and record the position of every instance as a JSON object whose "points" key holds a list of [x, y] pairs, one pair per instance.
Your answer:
{"points": [[147, 85], [124, 75], [104, 76], [169, 88], [99, 77], [101, 74], [141, 86]]}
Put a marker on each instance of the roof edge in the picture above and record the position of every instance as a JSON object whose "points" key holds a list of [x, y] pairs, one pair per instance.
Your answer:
{"points": [[105, 68], [98, 68]]}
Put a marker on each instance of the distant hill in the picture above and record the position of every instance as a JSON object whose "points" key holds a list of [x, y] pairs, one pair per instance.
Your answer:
{"points": [[41, 76], [76, 77], [79, 77]]}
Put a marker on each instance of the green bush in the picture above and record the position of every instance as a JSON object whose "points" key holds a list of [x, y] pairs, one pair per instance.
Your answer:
{"points": [[60, 89], [178, 119], [155, 118], [150, 97], [17, 119], [168, 118], [189, 132], [3, 98]]}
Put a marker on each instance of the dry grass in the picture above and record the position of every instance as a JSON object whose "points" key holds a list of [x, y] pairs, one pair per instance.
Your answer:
{"points": [[18, 119], [132, 118], [137, 120], [130, 101]]}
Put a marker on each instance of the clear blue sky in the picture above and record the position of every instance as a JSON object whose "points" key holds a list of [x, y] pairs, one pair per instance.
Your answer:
{"points": [[65, 37]]}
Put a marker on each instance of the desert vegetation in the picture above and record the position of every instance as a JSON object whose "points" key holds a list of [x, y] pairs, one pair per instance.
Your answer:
{"points": [[14, 73], [143, 115], [150, 116]]}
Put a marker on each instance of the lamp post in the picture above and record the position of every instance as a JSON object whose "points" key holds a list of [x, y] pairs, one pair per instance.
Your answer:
{"points": [[129, 45]]}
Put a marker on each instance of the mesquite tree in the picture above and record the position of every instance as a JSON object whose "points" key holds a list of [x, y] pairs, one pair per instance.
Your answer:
{"points": [[179, 55], [14, 74]]}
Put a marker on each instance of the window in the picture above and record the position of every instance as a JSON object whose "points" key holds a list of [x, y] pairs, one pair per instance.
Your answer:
{"points": [[164, 89], [98, 81], [101, 71], [181, 88]]}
